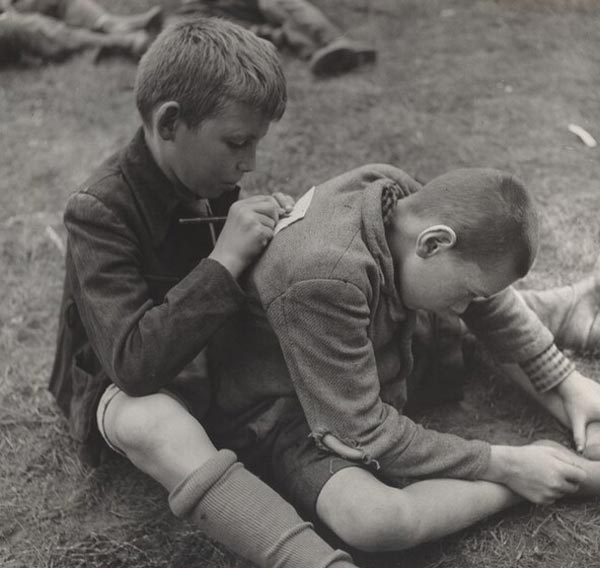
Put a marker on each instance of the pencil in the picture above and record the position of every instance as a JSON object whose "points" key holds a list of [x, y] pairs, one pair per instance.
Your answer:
{"points": [[190, 220], [214, 219]]}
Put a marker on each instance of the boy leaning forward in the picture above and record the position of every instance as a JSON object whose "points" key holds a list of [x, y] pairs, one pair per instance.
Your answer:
{"points": [[348, 302]]}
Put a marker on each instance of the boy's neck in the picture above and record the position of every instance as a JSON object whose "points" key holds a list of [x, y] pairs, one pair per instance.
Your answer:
{"points": [[402, 232]]}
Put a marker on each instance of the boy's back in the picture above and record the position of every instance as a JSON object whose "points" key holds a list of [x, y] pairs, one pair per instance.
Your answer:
{"points": [[334, 242]]}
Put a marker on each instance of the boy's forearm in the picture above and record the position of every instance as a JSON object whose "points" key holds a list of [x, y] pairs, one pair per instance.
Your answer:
{"points": [[157, 347]]}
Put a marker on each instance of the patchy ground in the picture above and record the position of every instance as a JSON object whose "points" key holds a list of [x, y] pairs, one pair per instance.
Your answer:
{"points": [[458, 83]]}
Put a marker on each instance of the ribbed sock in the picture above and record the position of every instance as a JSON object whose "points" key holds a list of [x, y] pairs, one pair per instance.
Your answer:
{"points": [[237, 509]]}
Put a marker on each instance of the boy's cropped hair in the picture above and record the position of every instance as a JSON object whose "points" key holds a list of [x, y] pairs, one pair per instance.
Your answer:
{"points": [[206, 63], [492, 213]]}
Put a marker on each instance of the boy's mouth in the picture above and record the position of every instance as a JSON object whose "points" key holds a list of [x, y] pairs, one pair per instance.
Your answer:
{"points": [[229, 186]]}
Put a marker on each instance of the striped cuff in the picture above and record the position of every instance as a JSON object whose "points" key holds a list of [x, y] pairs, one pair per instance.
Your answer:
{"points": [[548, 369]]}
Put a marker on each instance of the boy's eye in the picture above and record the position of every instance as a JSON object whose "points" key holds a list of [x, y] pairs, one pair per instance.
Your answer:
{"points": [[237, 144]]}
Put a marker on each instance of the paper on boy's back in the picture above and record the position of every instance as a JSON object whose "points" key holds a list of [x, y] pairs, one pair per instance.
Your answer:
{"points": [[298, 212]]}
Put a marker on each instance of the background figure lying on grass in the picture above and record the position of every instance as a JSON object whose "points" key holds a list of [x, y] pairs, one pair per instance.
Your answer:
{"points": [[52, 30], [352, 305], [294, 24]]}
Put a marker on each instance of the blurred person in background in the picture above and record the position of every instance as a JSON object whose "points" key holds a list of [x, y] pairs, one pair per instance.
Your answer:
{"points": [[294, 24], [53, 30]]}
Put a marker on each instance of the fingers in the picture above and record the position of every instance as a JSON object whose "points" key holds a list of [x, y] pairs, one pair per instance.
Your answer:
{"points": [[247, 231], [579, 430], [264, 204], [286, 202], [562, 488], [571, 474], [266, 221], [570, 488], [571, 464], [550, 472]]}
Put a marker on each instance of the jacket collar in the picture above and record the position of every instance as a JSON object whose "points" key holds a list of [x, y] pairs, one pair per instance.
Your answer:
{"points": [[376, 241], [156, 196]]}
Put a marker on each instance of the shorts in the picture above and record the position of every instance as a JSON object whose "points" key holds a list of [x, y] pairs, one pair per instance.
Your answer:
{"points": [[286, 457]]}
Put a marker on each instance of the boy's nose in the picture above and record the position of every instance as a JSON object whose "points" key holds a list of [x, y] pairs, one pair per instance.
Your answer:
{"points": [[248, 162], [461, 306]]}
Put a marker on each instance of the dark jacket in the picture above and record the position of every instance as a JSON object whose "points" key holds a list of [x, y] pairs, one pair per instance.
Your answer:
{"points": [[140, 298]]}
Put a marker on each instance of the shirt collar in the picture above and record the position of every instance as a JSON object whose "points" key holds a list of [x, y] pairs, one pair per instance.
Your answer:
{"points": [[156, 196], [375, 238]]}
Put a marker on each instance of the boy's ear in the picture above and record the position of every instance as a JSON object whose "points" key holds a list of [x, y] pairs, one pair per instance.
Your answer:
{"points": [[435, 239], [167, 118]]}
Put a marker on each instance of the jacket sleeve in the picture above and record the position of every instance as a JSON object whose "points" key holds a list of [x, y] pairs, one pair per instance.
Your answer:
{"points": [[322, 328], [141, 346]]}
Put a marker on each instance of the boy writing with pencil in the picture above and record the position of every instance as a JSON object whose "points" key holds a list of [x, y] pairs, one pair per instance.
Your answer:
{"points": [[325, 355], [144, 292]]}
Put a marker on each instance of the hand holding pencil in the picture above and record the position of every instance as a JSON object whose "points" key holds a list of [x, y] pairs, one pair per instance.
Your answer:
{"points": [[248, 229]]}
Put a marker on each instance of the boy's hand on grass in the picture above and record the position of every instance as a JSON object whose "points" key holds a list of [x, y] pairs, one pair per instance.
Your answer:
{"points": [[247, 231], [539, 473], [581, 400]]}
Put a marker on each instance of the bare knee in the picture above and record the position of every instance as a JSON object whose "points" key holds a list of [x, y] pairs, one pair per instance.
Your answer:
{"points": [[142, 424], [158, 435], [367, 514]]}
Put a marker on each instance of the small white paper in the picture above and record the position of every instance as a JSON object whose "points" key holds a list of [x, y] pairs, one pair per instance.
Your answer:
{"points": [[297, 213], [583, 135]]}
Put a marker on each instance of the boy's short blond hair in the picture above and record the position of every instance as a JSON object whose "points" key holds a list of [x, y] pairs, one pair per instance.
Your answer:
{"points": [[205, 64]]}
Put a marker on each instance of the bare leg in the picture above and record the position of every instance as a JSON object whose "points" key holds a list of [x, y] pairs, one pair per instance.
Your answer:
{"points": [[90, 15], [223, 499], [311, 34], [370, 515], [301, 17], [49, 39]]}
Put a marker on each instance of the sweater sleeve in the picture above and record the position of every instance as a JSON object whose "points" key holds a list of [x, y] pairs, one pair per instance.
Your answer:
{"points": [[548, 369], [141, 345], [507, 326], [322, 328], [514, 334]]}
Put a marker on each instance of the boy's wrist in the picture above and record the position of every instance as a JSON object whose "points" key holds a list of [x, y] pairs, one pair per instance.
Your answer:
{"points": [[565, 385], [500, 464], [232, 264]]}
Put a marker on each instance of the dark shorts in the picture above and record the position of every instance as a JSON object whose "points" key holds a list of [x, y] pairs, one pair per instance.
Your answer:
{"points": [[286, 456], [275, 441]]}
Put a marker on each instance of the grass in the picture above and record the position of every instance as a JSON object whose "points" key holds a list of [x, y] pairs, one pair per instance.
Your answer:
{"points": [[458, 83]]}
